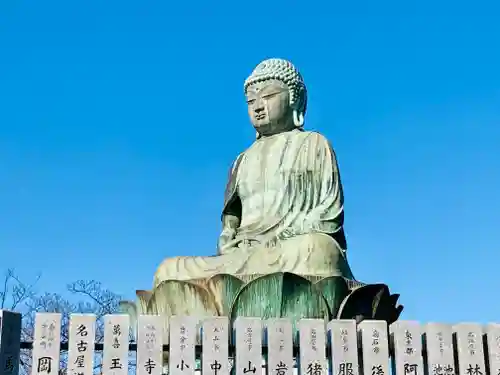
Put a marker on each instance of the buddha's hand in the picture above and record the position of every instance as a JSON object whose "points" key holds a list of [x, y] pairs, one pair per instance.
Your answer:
{"points": [[225, 238], [287, 233]]}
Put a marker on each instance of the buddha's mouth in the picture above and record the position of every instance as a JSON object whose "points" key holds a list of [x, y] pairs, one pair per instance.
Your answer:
{"points": [[260, 117]]}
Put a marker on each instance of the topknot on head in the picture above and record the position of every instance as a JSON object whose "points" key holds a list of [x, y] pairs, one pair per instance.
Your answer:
{"points": [[285, 72]]}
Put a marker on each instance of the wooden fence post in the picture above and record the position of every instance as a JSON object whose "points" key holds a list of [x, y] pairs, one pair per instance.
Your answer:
{"points": [[312, 341], [215, 346], [248, 346], [184, 331], [469, 341], [46, 344], [149, 345], [81, 344], [344, 347], [10, 338], [406, 338], [439, 349], [493, 343], [279, 342], [116, 337], [375, 346]]}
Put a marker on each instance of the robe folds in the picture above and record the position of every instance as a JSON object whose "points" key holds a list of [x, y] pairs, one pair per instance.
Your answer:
{"points": [[287, 192]]}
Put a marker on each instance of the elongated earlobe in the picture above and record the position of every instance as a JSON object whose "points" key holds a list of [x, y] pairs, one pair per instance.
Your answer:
{"points": [[298, 118]]}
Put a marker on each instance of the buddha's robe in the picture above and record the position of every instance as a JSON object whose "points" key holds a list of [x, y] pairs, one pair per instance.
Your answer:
{"points": [[286, 189]]}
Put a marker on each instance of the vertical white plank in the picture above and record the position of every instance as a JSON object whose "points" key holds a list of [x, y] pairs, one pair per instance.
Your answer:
{"points": [[183, 336], [248, 345], [493, 340], [375, 346], [407, 342], [115, 356], [46, 344], [312, 341], [10, 339], [81, 344], [215, 351], [344, 347], [149, 345], [439, 349], [279, 347], [469, 338]]}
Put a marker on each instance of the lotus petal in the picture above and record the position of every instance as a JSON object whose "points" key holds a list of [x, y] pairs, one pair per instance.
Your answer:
{"points": [[334, 289], [143, 298], [224, 288], [130, 308], [181, 298], [372, 301], [280, 295]]}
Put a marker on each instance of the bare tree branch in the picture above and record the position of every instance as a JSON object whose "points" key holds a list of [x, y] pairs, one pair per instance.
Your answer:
{"points": [[15, 292]]}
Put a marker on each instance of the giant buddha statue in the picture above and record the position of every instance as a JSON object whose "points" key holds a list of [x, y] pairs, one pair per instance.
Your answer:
{"points": [[283, 208], [282, 251]]}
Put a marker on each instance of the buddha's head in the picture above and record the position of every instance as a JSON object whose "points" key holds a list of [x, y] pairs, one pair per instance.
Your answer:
{"points": [[276, 97]]}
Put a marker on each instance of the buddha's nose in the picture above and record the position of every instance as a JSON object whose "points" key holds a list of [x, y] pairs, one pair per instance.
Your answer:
{"points": [[259, 106]]}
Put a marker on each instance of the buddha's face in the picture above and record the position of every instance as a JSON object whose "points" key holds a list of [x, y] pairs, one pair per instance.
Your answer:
{"points": [[269, 107]]}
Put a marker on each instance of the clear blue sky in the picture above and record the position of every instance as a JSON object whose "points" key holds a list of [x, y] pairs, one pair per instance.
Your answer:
{"points": [[119, 120]]}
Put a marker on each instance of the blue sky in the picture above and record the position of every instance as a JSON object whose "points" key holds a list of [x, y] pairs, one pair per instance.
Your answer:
{"points": [[119, 120]]}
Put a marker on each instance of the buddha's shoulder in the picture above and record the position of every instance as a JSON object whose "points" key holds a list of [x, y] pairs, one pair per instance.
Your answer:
{"points": [[314, 136]]}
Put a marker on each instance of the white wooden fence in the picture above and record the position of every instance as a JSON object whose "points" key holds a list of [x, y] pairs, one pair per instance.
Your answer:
{"points": [[337, 348]]}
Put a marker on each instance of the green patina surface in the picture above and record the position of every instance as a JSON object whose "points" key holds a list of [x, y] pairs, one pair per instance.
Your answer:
{"points": [[286, 295]]}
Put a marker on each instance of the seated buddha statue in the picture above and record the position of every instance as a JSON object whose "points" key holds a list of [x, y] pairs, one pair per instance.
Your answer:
{"points": [[282, 233], [284, 206]]}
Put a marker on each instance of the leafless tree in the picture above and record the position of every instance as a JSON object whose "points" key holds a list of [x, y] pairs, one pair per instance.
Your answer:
{"points": [[91, 297], [14, 292]]}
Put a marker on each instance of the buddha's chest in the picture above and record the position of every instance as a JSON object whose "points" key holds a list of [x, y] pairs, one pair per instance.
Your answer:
{"points": [[265, 166]]}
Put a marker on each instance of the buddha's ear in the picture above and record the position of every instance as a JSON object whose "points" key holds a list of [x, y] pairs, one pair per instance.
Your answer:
{"points": [[299, 107], [298, 118]]}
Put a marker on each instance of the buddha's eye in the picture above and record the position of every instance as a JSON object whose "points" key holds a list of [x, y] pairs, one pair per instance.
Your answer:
{"points": [[250, 101], [269, 96]]}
